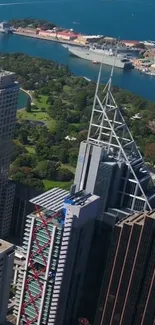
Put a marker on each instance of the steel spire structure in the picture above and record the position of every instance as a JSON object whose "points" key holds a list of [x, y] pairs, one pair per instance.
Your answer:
{"points": [[109, 130]]}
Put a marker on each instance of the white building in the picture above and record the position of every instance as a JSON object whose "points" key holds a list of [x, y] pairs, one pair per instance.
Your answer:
{"points": [[9, 89], [6, 271]]}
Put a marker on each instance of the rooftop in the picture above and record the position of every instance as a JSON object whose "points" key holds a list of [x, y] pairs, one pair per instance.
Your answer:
{"points": [[63, 33], [50, 205], [137, 218], [4, 73], [51, 200], [80, 198], [4, 245], [130, 42]]}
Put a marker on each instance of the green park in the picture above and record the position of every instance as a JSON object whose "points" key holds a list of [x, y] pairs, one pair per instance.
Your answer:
{"points": [[55, 120]]}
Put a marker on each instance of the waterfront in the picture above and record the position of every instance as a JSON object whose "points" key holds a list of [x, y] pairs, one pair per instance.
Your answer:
{"points": [[76, 11], [22, 99]]}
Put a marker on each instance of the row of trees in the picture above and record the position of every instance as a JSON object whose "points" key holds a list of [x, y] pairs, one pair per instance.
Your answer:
{"points": [[33, 23], [26, 168]]}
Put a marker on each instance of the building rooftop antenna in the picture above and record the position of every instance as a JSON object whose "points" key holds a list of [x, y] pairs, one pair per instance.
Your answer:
{"points": [[108, 129], [106, 91]]}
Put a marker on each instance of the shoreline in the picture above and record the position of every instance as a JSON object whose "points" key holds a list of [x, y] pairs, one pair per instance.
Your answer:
{"points": [[47, 38], [28, 94], [140, 69]]}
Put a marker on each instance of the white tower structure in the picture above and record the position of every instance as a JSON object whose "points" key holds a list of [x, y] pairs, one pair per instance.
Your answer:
{"points": [[110, 163]]}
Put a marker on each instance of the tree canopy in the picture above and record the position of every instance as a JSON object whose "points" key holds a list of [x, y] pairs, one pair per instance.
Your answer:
{"points": [[65, 100]]}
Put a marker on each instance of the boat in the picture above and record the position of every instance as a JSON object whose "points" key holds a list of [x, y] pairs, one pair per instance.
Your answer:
{"points": [[107, 57], [5, 27]]}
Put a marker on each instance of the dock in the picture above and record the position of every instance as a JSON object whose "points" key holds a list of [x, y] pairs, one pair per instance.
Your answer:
{"points": [[47, 38]]}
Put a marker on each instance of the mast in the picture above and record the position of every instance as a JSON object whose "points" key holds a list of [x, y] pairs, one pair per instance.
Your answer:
{"points": [[108, 129]]}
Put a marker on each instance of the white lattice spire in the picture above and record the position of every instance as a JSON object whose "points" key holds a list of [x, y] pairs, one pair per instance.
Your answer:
{"points": [[108, 129]]}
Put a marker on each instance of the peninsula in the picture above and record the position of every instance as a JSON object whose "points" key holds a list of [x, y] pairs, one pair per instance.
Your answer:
{"points": [[144, 52]]}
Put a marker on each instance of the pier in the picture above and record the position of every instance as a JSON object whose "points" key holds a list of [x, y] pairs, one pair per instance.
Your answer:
{"points": [[47, 38]]}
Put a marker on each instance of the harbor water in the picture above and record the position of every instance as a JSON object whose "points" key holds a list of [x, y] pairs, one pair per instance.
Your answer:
{"points": [[126, 19], [22, 99]]}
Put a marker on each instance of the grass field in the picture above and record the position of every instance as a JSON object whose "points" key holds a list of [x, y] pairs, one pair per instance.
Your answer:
{"points": [[71, 168], [51, 184], [41, 101], [37, 115], [30, 149]]}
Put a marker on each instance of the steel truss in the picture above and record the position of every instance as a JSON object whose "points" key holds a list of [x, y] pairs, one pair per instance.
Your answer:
{"points": [[35, 273], [108, 129]]}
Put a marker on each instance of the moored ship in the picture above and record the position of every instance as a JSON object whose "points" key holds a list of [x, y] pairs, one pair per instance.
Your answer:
{"points": [[5, 27], [95, 55]]}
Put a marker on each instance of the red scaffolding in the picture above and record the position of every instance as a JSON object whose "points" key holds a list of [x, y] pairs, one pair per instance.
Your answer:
{"points": [[35, 274]]}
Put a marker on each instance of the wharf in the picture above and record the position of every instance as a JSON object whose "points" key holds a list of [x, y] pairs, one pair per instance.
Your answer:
{"points": [[47, 38]]}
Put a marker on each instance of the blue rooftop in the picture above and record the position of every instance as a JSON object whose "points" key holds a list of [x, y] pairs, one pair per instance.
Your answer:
{"points": [[78, 198]]}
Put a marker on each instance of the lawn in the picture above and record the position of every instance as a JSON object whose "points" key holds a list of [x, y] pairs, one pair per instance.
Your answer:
{"points": [[67, 89], [41, 101], [37, 115], [71, 168], [30, 149], [50, 184], [51, 124], [34, 115]]}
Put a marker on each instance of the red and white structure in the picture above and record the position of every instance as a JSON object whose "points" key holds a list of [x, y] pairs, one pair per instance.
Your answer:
{"points": [[51, 242]]}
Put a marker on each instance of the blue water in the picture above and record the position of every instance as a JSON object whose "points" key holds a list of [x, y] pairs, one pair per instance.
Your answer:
{"points": [[126, 19], [22, 100]]}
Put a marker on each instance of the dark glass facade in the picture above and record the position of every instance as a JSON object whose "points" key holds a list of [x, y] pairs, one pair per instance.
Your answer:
{"points": [[128, 289]]}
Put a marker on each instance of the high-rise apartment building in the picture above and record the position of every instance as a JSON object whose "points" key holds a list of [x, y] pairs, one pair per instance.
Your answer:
{"points": [[6, 272], [56, 244], [128, 288], [9, 89]]}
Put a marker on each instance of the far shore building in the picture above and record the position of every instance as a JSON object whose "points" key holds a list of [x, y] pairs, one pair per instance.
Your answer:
{"points": [[64, 35]]}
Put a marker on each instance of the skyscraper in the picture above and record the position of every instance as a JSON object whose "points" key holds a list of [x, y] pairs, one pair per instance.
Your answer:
{"points": [[128, 291], [21, 208], [56, 239], [6, 272], [9, 89], [110, 164]]}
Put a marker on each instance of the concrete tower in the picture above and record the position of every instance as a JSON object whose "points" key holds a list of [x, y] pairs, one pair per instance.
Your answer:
{"points": [[9, 89]]}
